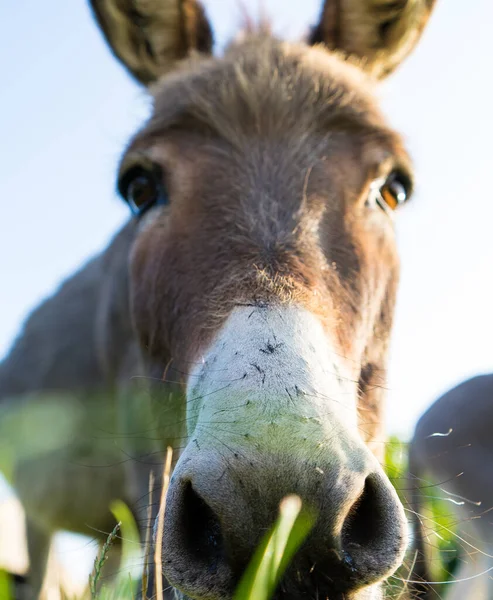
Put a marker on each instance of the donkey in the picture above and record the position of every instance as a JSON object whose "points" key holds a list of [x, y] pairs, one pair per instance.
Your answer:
{"points": [[259, 275], [452, 447]]}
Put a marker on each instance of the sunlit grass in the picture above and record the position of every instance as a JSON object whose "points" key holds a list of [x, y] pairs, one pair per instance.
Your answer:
{"points": [[5, 592], [261, 577], [274, 553], [101, 558], [436, 516], [27, 428]]}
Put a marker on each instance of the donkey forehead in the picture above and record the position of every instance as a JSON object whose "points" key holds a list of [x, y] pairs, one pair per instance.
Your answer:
{"points": [[266, 88]]}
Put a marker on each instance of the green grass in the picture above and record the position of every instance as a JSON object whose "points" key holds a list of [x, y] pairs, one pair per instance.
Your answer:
{"points": [[436, 515], [266, 568], [126, 582], [5, 592], [102, 556], [276, 550]]}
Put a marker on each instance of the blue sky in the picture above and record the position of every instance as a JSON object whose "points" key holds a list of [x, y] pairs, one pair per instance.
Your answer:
{"points": [[67, 109]]}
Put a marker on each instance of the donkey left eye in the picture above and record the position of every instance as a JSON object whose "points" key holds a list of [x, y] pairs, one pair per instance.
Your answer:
{"points": [[393, 192], [142, 189]]}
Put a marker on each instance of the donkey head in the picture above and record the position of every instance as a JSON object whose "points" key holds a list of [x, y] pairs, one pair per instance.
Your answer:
{"points": [[264, 270]]}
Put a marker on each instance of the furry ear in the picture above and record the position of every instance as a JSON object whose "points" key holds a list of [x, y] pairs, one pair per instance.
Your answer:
{"points": [[380, 32], [150, 36]]}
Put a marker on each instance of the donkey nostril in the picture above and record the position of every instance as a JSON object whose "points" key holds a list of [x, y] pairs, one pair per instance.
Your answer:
{"points": [[194, 548], [365, 521], [373, 535], [201, 529]]}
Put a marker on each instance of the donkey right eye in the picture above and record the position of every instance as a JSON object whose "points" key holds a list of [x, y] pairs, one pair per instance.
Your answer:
{"points": [[142, 189]]}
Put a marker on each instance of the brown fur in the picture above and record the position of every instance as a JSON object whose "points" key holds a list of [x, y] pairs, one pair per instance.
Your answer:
{"points": [[270, 251], [267, 155]]}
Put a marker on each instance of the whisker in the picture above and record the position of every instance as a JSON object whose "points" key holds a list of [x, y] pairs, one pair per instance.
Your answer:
{"points": [[449, 582]]}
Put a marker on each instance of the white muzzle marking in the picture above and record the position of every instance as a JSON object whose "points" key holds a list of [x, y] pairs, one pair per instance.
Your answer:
{"points": [[272, 373]]}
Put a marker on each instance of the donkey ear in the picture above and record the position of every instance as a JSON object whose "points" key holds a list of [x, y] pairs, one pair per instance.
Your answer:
{"points": [[150, 36], [380, 32]]}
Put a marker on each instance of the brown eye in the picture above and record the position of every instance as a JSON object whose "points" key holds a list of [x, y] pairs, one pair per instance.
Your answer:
{"points": [[390, 193], [394, 192], [142, 189]]}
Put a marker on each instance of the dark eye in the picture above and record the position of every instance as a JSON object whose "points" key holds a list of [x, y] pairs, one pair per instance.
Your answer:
{"points": [[394, 191], [142, 189]]}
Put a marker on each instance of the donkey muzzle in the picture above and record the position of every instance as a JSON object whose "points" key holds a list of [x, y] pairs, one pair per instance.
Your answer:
{"points": [[221, 504]]}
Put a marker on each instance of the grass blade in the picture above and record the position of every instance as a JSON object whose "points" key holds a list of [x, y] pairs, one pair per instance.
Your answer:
{"points": [[147, 544], [131, 546], [99, 562], [4, 585], [158, 558], [276, 551]]}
